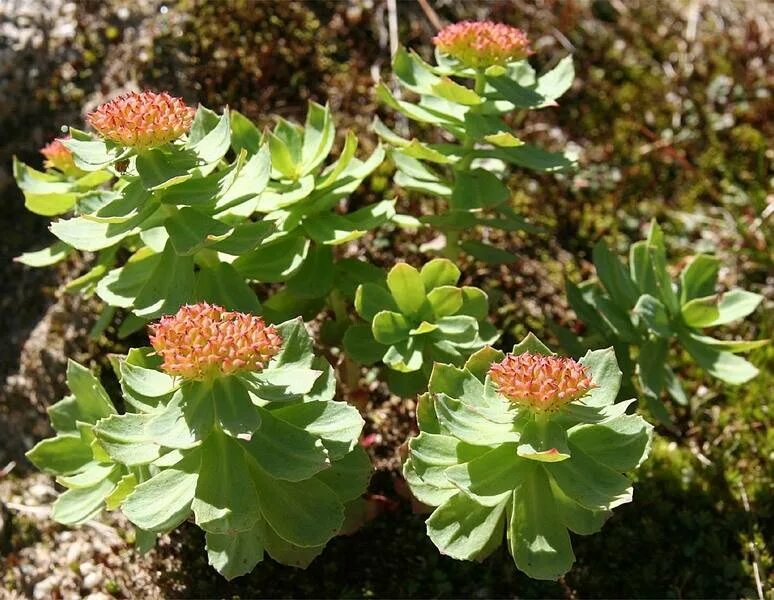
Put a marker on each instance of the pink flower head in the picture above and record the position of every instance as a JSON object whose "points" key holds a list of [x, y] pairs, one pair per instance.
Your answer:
{"points": [[58, 156], [203, 341], [541, 383], [142, 120], [481, 44]]}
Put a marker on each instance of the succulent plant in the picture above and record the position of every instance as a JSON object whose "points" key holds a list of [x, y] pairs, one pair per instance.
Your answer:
{"points": [[468, 173], [415, 317], [527, 447], [640, 309], [231, 423]]}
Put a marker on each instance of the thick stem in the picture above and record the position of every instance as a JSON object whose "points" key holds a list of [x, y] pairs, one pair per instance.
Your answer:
{"points": [[452, 248]]}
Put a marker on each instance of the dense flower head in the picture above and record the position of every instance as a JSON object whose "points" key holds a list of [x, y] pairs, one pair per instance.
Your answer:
{"points": [[481, 44], [142, 120], [58, 156], [541, 383], [203, 341]]}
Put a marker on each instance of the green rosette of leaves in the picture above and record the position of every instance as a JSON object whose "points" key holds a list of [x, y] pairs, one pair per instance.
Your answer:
{"points": [[415, 317], [94, 481], [168, 198], [644, 314], [529, 447], [231, 424], [302, 202], [467, 98]]}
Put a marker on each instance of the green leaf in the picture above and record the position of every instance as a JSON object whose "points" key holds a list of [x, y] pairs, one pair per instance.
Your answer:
{"points": [[477, 188], [348, 477], [225, 501], [63, 454], [468, 425], [723, 365], [234, 409], [371, 299], [78, 505], [518, 95], [285, 451], [589, 483], [479, 362], [360, 345], [699, 277], [651, 364], [289, 554], [50, 255], [653, 315], [94, 155], [445, 300], [390, 327], [475, 303], [91, 398], [244, 134], [531, 344], [615, 277], [622, 443], [407, 288], [282, 158], [488, 253], [605, 376], [148, 382], [492, 477], [557, 81], [337, 424], [463, 529], [405, 356], [221, 284], [719, 310], [125, 440], [413, 72], [211, 147], [315, 277], [274, 262], [543, 442], [235, 554], [304, 513], [319, 134], [531, 157], [454, 92], [439, 272], [163, 294], [189, 230], [164, 501], [537, 539], [159, 168]]}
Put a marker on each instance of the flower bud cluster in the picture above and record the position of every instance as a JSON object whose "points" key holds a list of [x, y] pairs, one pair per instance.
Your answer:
{"points": [[142, 120], [58, 156], [203, 341], [540, 383], [481, 44]]}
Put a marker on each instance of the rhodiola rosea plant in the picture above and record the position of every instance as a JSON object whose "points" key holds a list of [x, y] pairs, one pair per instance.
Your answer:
{"points": [[641, 311], [481, 75], [524, 447], [230, 423], [164, 188]]}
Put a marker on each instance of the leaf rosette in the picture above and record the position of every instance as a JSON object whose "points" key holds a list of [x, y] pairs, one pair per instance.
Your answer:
{"points": [[548, 458], [416, 317], [640, 309], [255, 451]]}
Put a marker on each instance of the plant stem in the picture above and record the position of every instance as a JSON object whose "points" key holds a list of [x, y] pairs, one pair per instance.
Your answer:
{"points": [[452, 248]]}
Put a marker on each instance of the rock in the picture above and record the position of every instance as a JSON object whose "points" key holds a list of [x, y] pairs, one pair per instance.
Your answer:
{"points": [[93, 580]]}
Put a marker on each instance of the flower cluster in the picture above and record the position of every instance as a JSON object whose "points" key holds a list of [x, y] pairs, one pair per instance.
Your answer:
{"points": [[142, 120], [540, 383], [58, 156], [481, 44], [203, 341]]}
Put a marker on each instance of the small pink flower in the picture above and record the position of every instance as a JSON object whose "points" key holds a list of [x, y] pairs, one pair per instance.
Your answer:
{"points": [[538, 382], [481, 44], [142, 120], [58, 156], [203, 341]]}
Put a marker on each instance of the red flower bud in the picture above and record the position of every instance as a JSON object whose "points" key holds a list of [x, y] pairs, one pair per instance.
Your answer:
{"points": [[142, 120], [481, 44], [203, 341], [540, 383], [58, 156]]}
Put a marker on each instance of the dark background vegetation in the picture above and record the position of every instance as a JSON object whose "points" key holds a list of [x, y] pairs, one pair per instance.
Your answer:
{"points": [[671, 111]]}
